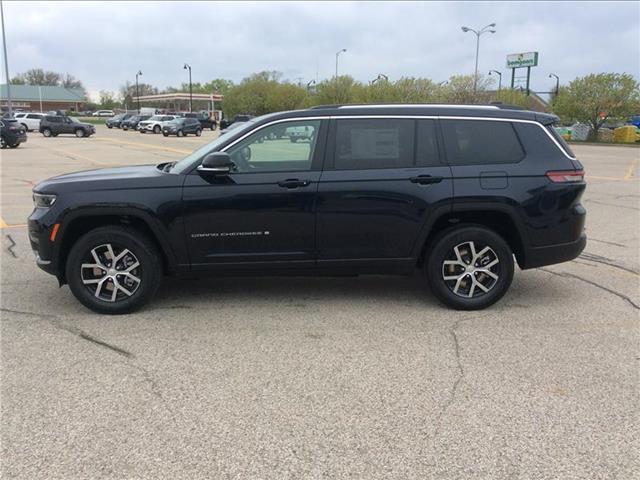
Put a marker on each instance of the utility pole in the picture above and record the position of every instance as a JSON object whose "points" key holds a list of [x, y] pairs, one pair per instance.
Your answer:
{"points": [[186, 66], [137, 91], [488, 28], [6, 62], [499, 78], [337, 55]]}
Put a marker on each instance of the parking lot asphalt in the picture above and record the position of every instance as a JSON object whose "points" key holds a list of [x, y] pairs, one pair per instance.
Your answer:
{"points": [[365, 377]]}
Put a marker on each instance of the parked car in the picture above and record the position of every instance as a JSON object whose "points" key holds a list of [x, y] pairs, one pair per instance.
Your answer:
{"points": [[181, 127], [54, 125], [205, 120], [299, 133], [12, 133], [231, 127], [30, 120], [133, 121], [155, 123], [454, 191], [116, 120], [224, 123], [104, 113]]}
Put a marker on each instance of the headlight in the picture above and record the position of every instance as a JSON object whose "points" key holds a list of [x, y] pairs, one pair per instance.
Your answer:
{"points": [[41, 200]]}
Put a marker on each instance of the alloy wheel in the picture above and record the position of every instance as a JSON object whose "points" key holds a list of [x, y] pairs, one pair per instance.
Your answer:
{"points": [[471, 270], [111, 273]]}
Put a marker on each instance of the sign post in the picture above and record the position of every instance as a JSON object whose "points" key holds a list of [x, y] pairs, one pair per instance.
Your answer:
{"points": [[522, 60]]}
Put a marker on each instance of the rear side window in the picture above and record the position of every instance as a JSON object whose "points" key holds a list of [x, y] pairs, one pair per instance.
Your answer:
{"points": [[560, 140], [480, 142], [374, 143], [54, 119], [33, 115]]}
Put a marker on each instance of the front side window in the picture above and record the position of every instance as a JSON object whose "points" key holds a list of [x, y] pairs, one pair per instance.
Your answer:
{"points": [[374, 143], [480, 142], [286, 146]]}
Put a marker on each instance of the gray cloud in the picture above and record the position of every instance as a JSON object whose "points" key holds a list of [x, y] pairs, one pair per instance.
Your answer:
{"points": [[105, 43]]}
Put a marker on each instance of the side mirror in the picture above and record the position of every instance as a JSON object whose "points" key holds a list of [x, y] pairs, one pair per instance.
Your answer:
{"points": [[217, 162]]}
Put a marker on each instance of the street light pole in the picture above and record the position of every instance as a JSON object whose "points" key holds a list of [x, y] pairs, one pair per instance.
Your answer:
{"points": [[557, 82], [499, 78], [186, 66], [137, 91], [6, 62], [337, 54], [488, 28]]}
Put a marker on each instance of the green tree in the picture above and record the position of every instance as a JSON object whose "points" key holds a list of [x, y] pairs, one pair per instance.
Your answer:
{"points": [[108, 100], [597, 97]]}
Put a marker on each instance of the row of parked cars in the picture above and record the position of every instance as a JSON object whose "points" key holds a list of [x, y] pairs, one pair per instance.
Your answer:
{"points": [[168, 124]]}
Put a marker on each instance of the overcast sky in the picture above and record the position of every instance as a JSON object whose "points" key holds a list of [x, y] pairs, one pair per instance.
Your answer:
{"points": [[105, 43]]}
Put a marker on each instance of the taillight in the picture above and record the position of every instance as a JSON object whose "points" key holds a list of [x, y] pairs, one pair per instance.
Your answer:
{"points": [[566, 176]]}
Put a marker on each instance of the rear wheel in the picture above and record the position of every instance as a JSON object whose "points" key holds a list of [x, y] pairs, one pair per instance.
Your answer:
{"points": [[46, 132], [198, 132], [469, 267], [113, 270], [14, 145], [180, 133]]}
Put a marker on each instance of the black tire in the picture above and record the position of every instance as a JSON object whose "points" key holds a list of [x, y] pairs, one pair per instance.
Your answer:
{"points": [[14, 145], [180, 133], [198, 132], [109, 126], [213, 127], [442, 249], [47, 132], [156, 129], [125, 128], [142, 249], [165, 134], [3, 142], [25, 126], [80, 133]]}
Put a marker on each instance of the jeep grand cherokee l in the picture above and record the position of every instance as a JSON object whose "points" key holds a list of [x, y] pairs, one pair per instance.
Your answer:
{"points": [[456, 191]]}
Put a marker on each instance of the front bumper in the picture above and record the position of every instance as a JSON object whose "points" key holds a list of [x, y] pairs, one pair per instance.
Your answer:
{"points": [[39, 232]]}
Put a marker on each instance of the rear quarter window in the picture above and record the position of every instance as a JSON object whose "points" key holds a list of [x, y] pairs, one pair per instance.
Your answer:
{"points": [[481, 142], [565, 146]]}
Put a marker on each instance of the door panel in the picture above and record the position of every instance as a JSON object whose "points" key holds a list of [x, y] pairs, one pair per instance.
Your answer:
{"points": [[377, 213], [261, 214]]}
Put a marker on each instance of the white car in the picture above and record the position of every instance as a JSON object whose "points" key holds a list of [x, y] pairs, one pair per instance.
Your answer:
{"points": [[29, 120], [155, 123], [104, 113]]}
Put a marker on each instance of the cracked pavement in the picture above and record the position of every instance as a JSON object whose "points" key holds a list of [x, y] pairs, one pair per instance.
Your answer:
{"points": [[295, 378]]}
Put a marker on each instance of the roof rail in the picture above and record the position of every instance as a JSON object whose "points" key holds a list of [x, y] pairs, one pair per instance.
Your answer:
{"points": [[506, 106], [321, 107]]}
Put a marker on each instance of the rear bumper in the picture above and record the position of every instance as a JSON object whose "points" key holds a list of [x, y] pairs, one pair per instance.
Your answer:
{"points": [[548, 255]]}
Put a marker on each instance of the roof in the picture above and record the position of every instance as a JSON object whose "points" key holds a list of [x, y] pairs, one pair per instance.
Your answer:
{"points": [[436, 110], [31, 93]]}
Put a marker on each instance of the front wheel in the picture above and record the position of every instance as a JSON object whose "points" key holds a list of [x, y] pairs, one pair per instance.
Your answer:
{"points": [[46, 132], [79, 133], [469, 267], [114, 270], [198, 132], [156, 129]]}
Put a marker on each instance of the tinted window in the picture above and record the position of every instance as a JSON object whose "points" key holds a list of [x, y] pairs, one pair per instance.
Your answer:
{"points": [[33, 115], [374, 143], [474, 142], [275, 148], [54, 119], [427, 144]]}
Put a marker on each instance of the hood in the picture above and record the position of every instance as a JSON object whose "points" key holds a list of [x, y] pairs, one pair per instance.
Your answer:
{"points": [[102, 179]]}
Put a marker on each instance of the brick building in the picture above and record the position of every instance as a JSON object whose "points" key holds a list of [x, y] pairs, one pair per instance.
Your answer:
{"points": [[41, 98]]}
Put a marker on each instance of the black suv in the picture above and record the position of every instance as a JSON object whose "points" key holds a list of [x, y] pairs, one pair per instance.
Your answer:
{"points": [[116, 120], [133, 121], [12, 134], [182, 127], [205, 120], [54, 125], [455, 191]]}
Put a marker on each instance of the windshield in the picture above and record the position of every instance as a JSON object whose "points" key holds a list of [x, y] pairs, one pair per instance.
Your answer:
{"points": [[186, 162]]}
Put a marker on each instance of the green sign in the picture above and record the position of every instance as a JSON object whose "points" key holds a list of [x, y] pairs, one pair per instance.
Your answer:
{"points": [[518, 60]]}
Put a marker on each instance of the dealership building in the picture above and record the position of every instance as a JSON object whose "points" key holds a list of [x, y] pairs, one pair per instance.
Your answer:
{"points": [[179, 102], [41, 98]]}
